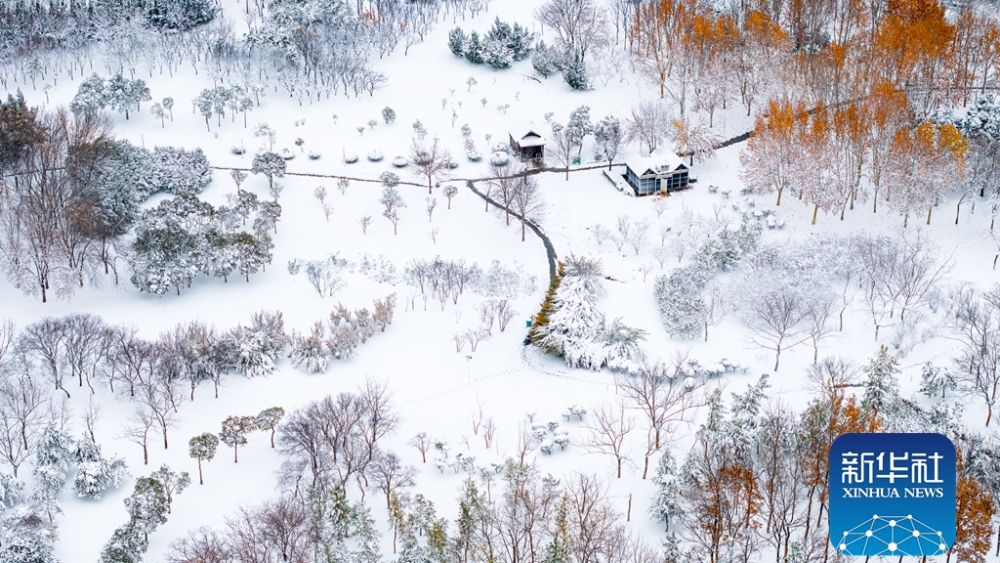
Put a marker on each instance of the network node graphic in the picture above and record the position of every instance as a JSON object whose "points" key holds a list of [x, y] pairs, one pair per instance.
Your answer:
{"points": [[892, 535]]}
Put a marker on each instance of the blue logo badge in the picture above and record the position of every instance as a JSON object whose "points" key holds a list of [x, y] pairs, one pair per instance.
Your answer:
{"points": [[892, 494]]}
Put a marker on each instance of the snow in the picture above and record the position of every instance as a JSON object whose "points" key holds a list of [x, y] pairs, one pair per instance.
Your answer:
{"points": [[436, 389]]}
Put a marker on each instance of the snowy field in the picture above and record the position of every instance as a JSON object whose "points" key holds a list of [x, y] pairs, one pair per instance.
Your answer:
{"points": [[462, 397]]}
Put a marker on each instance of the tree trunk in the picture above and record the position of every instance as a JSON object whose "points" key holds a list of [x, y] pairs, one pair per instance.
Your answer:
{"points": [[201, 479]]}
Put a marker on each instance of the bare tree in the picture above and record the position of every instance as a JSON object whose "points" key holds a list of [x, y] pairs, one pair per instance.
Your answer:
{"points": [[637, 235], [390, 475], [781, 480], [502, 182], [819, 308], [138, 427], [776, 312], [45, 341], [161, 398], [422, 443], [648, 123], [608, 430], [22, 414], [7, 333], [663, 398], [201, 545], [564, 143], [379, 418], [978, 321], [593, 525], [83, 345], [579, 25], [431, 162], [527, 200]]}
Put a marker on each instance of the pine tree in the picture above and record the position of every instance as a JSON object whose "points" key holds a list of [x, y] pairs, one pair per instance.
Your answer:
{"points": [[147, 506], [269, 164], [456, 41], [234, 432], [546, 61], [174, 483], [268, 420], [557, 551], [881, 386], [127, 544], [474, 49], [95, 474], [203, 448], [666, 501]]}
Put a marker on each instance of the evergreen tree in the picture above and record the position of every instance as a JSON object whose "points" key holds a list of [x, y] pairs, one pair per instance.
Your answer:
{"points": [[666, 501], [91, 96], [456, 41], [174, 483], [127, 544], [203, 448], [268, 420], [269, 164], [147, 508], [575, 73], [234, 432], [881, 385], [95, 474], [474, 49], [546, 61], [557, 551]]}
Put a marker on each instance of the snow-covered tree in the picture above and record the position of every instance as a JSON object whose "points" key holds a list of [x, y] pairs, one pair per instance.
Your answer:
{"points": [[456, 41], [269, 164], [679, 299], [202, 448], [174, 483], [309, 350], [388, 115], [473, 49], [268, 420], [95, 474], [546, 60], [90, 96], [881, 385], [234, 432], [609, 134], [123, 94], [147, 506], [666, 504]]}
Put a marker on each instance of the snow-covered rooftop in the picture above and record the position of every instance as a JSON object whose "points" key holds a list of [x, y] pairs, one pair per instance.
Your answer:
{"points": [[527, 134], [656, 162]]}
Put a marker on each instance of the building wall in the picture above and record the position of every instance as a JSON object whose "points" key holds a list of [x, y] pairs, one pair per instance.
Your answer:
{"points": [[670, 181]]}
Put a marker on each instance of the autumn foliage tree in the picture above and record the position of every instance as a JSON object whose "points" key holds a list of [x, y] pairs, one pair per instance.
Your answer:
{"points": [[974, 511], [922, 163]]}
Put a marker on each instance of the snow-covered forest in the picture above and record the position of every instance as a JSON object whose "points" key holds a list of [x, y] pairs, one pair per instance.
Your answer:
{"points": [[482, 281]]}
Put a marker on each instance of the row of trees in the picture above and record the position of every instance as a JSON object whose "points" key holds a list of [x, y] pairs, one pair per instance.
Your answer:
{"points": [[343, 332], [864, 155]]}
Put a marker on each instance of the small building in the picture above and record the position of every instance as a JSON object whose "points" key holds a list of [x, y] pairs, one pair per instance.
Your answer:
{"points": [[527, 144], [654, 175]]}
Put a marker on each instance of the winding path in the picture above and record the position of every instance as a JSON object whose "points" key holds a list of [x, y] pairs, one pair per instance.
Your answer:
{"points": [[550, 250]]}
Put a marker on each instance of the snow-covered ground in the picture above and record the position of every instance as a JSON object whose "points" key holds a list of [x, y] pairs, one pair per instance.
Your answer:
{"points": [[434, 388]]}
